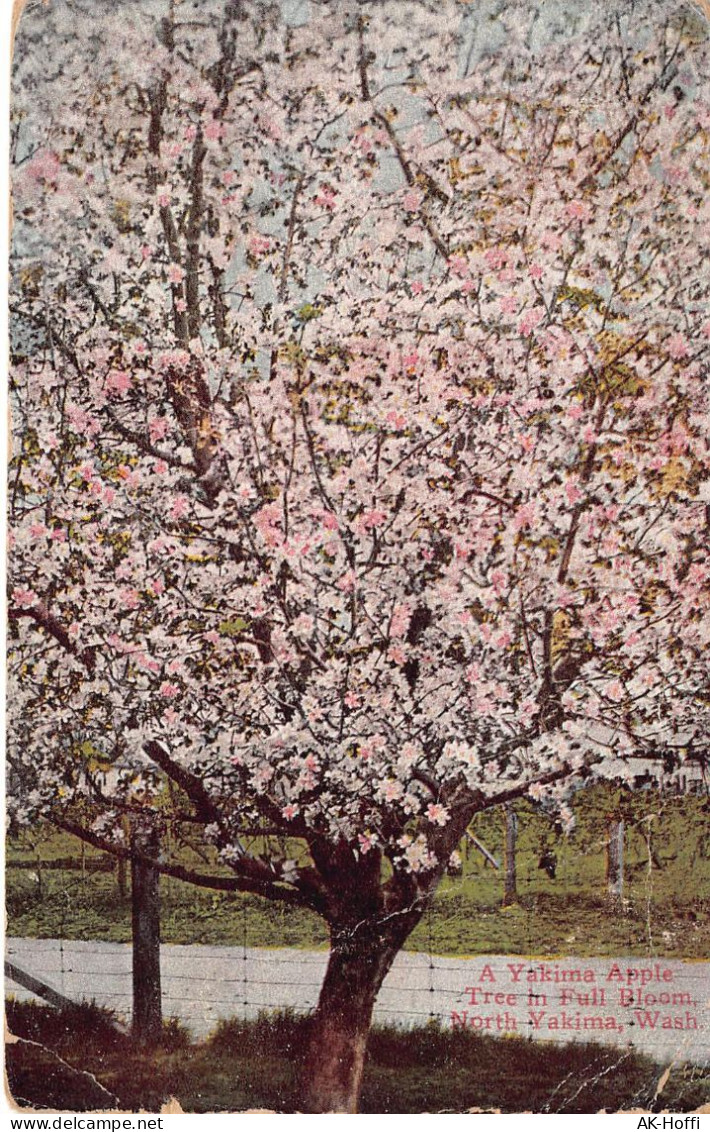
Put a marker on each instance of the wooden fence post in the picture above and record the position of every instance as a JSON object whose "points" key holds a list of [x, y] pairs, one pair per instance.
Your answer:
{"points": [[510, 890], [615, 860]]}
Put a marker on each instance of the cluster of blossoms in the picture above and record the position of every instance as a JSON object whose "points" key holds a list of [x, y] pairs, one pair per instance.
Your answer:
{"points": [[362, 459]]}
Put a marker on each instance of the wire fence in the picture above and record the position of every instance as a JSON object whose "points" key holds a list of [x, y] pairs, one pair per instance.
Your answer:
{"points": [[660, 1007], [268, 960]]}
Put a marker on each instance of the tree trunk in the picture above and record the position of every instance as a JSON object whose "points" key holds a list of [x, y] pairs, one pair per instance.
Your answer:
{"points": [[340, 1026], [145, 902], [510, 891]]}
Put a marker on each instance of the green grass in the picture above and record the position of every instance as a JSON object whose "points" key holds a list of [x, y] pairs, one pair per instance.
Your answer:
{"points": [[668, 842], [256, 1065]]}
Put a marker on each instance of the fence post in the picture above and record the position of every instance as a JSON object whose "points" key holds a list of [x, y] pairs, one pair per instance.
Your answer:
{"points": [[145, 906], [615, 860], [510, 891]]}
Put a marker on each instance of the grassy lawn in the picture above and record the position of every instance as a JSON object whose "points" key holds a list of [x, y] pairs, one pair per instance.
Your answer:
{"points": [[667, 842], [256, 1064]]}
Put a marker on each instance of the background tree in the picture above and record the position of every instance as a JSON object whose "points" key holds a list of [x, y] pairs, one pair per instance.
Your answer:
{"points": [[361, 464]]}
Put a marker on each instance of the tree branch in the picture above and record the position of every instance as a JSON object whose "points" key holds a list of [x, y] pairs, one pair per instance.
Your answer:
{"points": [[205, 808], [52, 625], [257, 886]]}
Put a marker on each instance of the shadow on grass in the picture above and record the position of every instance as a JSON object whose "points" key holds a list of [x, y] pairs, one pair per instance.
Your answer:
{"points": [[77, 1060]]}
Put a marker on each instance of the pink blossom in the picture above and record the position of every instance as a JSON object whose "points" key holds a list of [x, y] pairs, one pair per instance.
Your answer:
{"points": [[499, 580], [157, 427], [525, 516], [160, 467], [527, 442], [44, 166], [496, 258], [580, 211], [164, 199], [328, 521], [180, 507], [364, 142], [459, 265], [58, 535], [551, 241], [417, 287], [365, 842], [174, 359], [532, 318], [228, 177], [372, 519], [536, 271], [290, 811], [508, 303], [677, 347], [258, 245], [176, 273], [572, 492], [326, 199], [24, 597], [169, 691], [411, 200], [392, 790], [118, 381], [214, 130], [437, 813], [399, 622]]}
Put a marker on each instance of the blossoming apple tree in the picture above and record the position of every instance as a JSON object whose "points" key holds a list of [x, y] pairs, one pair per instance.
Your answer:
{"points": [[360, 402]]}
